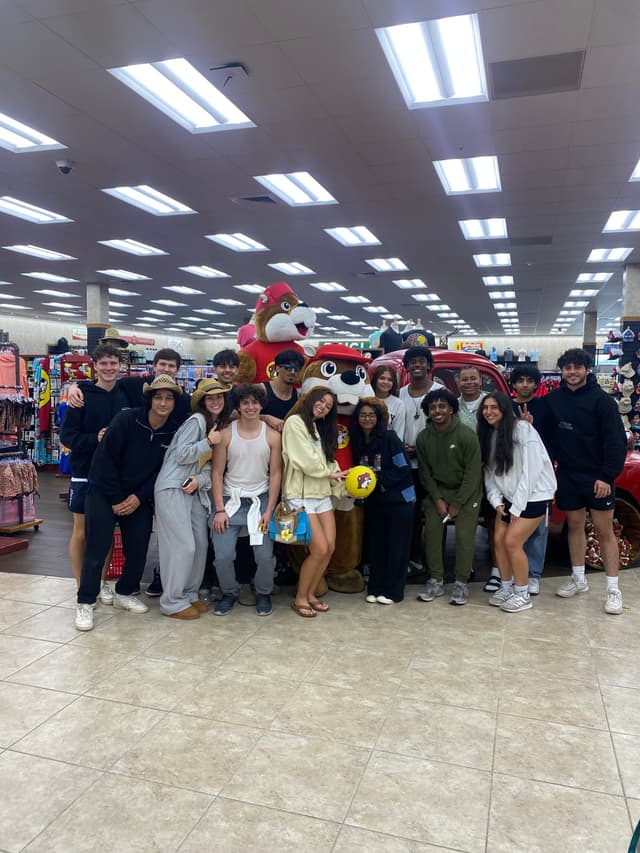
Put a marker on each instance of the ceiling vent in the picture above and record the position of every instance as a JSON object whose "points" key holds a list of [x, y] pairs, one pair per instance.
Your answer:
{"points": [[538, 75], [366, 274], [253, 199], [530, 241]]}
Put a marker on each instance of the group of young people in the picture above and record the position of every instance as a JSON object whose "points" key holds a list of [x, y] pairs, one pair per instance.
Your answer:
{"points": [[213, 466]]}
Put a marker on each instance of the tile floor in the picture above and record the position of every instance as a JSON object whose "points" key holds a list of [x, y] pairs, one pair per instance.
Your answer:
{"points": [[417, 727]]}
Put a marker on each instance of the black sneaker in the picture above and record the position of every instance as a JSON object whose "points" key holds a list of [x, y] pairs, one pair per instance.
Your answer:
{"points": [[263, 604], [225, 605], [155, 587]]}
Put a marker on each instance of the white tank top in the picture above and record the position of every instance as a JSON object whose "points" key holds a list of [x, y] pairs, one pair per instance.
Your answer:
{"points": [[247, 463]]}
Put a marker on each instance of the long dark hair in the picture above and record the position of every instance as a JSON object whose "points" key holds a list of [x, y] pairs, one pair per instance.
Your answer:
{"points": [[503, 448], [327, 427], [376, 439], [378, 372], [222, 420]]}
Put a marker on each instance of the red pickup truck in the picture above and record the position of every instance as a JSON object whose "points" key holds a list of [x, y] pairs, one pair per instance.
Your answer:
{"points": [[447, 363]]}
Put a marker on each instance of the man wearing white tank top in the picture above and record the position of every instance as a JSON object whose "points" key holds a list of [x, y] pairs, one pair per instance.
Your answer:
{"points": [[246, 475]]}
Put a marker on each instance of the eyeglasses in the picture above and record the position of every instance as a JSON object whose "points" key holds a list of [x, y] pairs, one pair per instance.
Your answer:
{"points": [[367, 415]]}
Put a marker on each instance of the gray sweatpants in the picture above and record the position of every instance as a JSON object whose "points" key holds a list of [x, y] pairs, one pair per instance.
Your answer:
{"points": [[224, 546], [183, 538]]}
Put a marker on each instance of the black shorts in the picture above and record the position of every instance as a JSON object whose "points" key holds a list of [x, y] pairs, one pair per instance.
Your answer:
{"points": [[77, 495], [575, 491], [534, 509]]}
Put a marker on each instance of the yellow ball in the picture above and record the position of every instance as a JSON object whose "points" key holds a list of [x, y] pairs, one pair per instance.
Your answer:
{"points": [[360, 481]]}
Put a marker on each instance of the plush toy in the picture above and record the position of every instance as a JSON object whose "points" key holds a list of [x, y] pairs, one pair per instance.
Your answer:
{"points": [[342, 370], [281, 320]]}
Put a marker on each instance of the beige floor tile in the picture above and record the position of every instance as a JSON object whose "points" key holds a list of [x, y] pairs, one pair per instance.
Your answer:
{"points": [[275, 658], [334, 713], [628, 751], [13, 612], [546, 658], [16, 652], [189, 752], [236, 697], [150, 682], [543, 697], [90, 732], [122, 633], [440, 732], [468, 686], [311, 776], [33, 792], [69, 668], [556, 621], [536, 817], [354, 840], [623, 709], [54, 623], [361, 670], [24, 708], [617, 667], [480, 648], [42, 590], [230, 826], [614, 632], [634, 810], [203, 642], [552, 752], [424, 801], [122, 814]]}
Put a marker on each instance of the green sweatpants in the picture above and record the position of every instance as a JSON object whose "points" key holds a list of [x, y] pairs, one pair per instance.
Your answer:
{"points": [[465, 524]]}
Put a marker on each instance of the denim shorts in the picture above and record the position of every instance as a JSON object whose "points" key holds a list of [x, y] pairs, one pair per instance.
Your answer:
{"points": [[313, 506]]}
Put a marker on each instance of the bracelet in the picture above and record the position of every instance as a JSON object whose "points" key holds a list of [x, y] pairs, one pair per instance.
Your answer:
{"points": [[218, 511]]}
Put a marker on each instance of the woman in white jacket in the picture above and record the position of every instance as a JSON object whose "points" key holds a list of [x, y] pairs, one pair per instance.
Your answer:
{"points": [[520, 485]]}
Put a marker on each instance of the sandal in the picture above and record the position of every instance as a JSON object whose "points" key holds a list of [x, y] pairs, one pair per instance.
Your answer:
{"points": [[493, 584], [319, 606], [304, 610]]}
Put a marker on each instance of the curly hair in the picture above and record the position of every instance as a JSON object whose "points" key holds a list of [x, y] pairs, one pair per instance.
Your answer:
{"points": [[496, 443]]}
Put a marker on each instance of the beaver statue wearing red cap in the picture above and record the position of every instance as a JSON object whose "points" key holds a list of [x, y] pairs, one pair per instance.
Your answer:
{"points": [[281, 321]]}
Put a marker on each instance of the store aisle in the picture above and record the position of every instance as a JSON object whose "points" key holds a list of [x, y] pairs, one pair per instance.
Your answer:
{"points": [[415, 727]]}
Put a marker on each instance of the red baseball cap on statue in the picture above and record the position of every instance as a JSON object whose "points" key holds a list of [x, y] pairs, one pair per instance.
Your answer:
{"points": [[273, 294]]}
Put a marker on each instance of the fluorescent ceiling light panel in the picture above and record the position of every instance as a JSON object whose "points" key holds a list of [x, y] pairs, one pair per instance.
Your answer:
{"points": [[623, 220], [297, 189], [18, 137], [205, 271], [593, 277], [321, 311], [185, 291], [569, 313], [356, 323], [607, 255], [60, 293], [149, 200], [250, 288], [356, 235], [502, 259], [48, 304], [495, 280], [436, 62], [584, 292], [177, 89], [448, 316], [120, 305], [436, 307], [169, 303], [158, 312], [65, 313], [48, 276], [502, 294], [409, 283], [387, 264], [581, 303], [226, 325], [210, 311], [115, 291], [38, 252], [10, 296], [425, 297], [229, 302], [469, 175], [237, 242], [196, 319], [339, 317], [125, 275], [133, 247], [505, 305], [292, 268], [327, 286], [14, 307], [376, 309], [483, 229], [25, 210], [355, 300]]}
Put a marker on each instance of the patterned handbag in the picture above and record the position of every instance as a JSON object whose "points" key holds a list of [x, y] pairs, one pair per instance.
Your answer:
{"points": [[290, 526]]}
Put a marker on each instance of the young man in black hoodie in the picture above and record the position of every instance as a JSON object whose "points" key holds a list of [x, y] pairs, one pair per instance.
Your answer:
{"points": [[581, 425], [121, 480]]}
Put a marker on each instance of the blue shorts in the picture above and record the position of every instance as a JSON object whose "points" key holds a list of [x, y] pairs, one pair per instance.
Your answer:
{"points": [[77, 494]]}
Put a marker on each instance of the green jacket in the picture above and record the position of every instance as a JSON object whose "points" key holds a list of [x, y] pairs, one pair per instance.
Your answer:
{"points": [[449, 463]]}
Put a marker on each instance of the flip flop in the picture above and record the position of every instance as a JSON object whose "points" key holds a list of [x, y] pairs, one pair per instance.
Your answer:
{"points": [[304, 610], [493, 584], [319, 606]]}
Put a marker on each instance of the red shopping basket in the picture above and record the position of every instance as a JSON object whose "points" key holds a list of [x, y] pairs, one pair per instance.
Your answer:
{"points": [[117, 557]]}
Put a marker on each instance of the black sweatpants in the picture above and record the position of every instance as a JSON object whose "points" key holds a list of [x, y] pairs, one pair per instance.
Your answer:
{"points": [[388, 536]]}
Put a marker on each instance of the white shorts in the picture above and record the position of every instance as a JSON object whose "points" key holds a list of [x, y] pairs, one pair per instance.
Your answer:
{"points": [[313, 506]]}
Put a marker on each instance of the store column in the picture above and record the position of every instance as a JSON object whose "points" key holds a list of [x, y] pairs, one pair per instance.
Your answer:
{"points": [[589, 333], [97, 313], [630, 326]]}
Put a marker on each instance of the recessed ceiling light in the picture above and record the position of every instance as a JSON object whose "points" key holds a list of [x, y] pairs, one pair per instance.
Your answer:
{"points": [[483, 229], [120, 304], [226, 325], [356, 323], [13, 307], [19, 138], [237, 242], [356, 235], [448, 315], [185, 291], [436, 62], [376, 309], [569, 313], [292, 268], [327, 286], [387, 264], [58, 293], [196, 319], [48, 276], [321, 310], [507, 313], [113, 315], [425, 297], [623, 220], [495, 280], [25, 210], [133, 247], [469, 175], [502, 259], [170, 303], [505, 305], [210, 311], [205, 271], [150, 200], [409, 283], [592, 277], [64, 313], [598, 256], [583, 293], [436, 307], [502, 294], [158, 312], [297, 189], [355, 300], [177, 89], [116, 291], [229, 302], [144, 325], [10, 296], [339, 317], [570, 303], [38, 252], [250, 288], [125, 275]]}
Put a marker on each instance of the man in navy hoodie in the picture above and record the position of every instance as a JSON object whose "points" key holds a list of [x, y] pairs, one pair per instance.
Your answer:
{"points": [[581, 425]]}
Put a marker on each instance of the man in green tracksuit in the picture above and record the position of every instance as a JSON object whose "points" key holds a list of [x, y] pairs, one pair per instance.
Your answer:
{"points": [[451, 473]]}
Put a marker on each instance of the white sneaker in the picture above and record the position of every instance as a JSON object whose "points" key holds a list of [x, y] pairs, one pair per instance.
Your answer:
{"points": [[572, 587], [500, 596], [84, 617], [383, 599], [106, 593], [613, 604], [516, 603], [131, 603], [371, 599], [534, 586]]}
